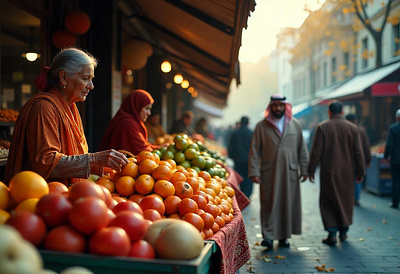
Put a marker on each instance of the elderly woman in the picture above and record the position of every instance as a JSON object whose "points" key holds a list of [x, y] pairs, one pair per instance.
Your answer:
{"points": [[48, 136], [127, 130]]}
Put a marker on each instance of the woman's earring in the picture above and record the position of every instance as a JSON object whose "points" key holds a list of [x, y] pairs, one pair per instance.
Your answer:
{"points": [[64, 86]]}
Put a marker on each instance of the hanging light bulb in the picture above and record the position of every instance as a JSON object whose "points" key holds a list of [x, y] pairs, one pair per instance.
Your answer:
{"points": [[190, 89], [185, 84], [178, 78], [194, 94], [166, 67], [31, 54]]}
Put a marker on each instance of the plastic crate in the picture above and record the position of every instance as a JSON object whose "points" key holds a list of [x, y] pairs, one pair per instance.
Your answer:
{"points": [[57, 261]]}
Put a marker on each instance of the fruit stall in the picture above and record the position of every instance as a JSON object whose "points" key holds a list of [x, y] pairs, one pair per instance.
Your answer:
{"points": [[155, 215], [378, 179]]}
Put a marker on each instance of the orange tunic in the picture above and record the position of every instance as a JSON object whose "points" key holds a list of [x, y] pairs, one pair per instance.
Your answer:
{"points": [[46, 129]]}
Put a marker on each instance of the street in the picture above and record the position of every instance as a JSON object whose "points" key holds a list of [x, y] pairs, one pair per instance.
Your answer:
{"points": [[373, 244]]}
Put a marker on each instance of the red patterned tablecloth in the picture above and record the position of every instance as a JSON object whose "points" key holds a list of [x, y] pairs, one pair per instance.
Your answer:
{"points": [[232, 238]]}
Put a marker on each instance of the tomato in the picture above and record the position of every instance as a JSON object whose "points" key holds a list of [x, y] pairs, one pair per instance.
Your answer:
{"points": [[65, 238], [112, 241], [31, 227], [107, 196], [111, 215], [142, 249], [132, 222], [127, 205], [152, 215], [54, 208], [89, 215], [85, 189]]}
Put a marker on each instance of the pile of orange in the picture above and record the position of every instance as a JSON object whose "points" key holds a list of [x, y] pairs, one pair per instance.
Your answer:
{"points": [[165, 190]]}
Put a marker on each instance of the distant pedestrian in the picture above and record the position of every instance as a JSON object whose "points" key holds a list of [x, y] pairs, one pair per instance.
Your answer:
{"points": [[278, 160], [183, 125], [337, 148], [392, 152], [366, 150], [238, 151]]}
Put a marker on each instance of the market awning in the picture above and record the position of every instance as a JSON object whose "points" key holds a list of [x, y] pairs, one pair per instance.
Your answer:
{"points": [[201, 37], [386, 89], [355, 86], [304, 108], [207, 108]]}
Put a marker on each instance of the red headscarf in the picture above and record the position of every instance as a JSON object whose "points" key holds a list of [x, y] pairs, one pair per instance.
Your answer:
{"points": [[129, 110], [288, 109]]}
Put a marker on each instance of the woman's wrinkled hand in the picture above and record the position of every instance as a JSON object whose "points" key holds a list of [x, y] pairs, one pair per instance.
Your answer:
{"points": [[256, 179], [109, 158]]}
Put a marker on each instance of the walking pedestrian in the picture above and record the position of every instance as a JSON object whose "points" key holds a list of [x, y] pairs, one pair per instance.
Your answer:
{"points": [[366, 150], [337, 148], [392, 152], [278, 154], [238, 151]]}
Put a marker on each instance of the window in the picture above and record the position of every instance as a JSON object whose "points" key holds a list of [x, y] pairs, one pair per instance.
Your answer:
{"points": [[325, 74], [333, 70], [364, 53], [346, 58], [396, 36]]}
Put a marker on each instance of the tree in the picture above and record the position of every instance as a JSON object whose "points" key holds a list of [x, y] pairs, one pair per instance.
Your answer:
{"points": [[359, 8]]}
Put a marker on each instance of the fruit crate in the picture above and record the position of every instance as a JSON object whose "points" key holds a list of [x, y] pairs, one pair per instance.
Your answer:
{"points": [[57, 261]]}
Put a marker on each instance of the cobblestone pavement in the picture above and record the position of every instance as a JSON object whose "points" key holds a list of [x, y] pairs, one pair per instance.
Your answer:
{"points": [[373, 244]]}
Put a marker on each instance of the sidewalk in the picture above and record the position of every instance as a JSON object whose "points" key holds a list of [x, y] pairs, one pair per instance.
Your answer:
{"points": [[373, 244]]}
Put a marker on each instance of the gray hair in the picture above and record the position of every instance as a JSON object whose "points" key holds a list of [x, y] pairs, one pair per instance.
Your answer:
{"points": [[72, 60]]}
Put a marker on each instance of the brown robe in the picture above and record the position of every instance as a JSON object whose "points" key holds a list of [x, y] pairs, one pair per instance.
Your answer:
{"points": [[282, 159], [337, 148]]}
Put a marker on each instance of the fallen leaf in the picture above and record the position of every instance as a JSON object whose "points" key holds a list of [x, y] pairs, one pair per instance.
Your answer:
{"points": [[253, 219], [369, 229], [250, 269], [389, 237], [257, 243], [361, 239], [280, 257], [267, 260]]}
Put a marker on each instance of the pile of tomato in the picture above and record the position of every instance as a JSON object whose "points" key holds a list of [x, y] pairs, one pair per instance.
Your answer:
{"points": [[111, 215]]}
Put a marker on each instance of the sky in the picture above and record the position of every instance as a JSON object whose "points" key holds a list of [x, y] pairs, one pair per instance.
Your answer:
{"points": [[258, 81], [269, 16]]}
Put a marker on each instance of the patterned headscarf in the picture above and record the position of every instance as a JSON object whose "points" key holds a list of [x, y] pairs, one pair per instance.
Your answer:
{"points": [[288, 109]]}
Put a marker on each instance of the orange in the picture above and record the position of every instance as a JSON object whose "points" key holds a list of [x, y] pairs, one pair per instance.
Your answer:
{"points": [[193, 182], [4, 196], [27, 184], [131, 169], [171, 205], [119, 199], [220, 221], [136, 198], [223, 183], [212, 209], [172, 163], [151, 215], [195, 220], [208, 219], [200, 200], [163, 162], [208, 233], [162, 172], [57, 187], [177, 176], [152, 202], [187, 205], [210, 192], [215, 227], [230, 191], [205, 175], [175, 216], [125, 186], [144, 155], [226, 218], [164, 188], [156, 158], [27, 205], [183, 190], [147, 166], [107, 183], [144, 184], [183, 170], [4, 215], [132, 159]]}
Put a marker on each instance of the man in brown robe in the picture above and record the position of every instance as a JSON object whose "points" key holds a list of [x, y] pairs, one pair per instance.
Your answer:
{"points": [[337, 148], [278, 155]]}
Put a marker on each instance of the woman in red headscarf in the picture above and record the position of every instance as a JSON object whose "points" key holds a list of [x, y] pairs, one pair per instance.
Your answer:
{"points": [[127, 130]]}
